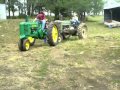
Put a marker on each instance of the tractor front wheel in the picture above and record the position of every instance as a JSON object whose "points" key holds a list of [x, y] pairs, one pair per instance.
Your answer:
{"points": [[60, 38], [53, 35], [31, 40], [24, 45]]}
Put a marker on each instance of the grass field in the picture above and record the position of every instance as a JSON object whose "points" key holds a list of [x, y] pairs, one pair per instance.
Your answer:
{"points": [[90, 64]]}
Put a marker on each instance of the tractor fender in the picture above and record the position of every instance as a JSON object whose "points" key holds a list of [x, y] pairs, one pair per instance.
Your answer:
{"points": [[82, 25], [22, 36]]}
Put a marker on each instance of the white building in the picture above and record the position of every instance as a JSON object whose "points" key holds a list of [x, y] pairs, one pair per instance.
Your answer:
{"points": [[3, 15]]}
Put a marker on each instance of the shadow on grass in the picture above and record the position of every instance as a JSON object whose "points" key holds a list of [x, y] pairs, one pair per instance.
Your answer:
{"points": [[72, 38]]}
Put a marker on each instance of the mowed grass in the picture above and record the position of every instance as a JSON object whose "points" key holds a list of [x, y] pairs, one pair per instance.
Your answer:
{"points": [[89, 64]]}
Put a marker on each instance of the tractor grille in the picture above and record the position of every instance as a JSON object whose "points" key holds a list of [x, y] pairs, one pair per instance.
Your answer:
{"points": [[26, 29]]}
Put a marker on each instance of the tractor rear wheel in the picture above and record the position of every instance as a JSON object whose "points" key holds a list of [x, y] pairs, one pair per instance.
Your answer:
{"points": [[53, 35], [82, 31]]}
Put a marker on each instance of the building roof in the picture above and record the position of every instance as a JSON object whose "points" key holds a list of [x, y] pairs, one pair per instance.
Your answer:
{"points": [[111, 4]]}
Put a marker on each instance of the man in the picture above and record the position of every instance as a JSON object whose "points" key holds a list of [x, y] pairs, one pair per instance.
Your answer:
{"points": [[75, 20], [41, 18]]}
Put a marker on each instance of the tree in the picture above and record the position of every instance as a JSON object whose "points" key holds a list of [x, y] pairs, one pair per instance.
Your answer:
{"points": [[118, 0], [2, 1], [11, 6], [86, 6], [8, 4], [57, 6], [81, 7], [20, 7], [39, 5], [97, 6], [33, 5], [13, 9]]}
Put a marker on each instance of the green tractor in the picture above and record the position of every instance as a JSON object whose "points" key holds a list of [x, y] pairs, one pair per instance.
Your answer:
{"points": [[67, 29], [54, 32], [30, 31]]}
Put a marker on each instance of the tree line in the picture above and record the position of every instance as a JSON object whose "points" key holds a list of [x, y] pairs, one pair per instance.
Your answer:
{"points": [[58, 7]]}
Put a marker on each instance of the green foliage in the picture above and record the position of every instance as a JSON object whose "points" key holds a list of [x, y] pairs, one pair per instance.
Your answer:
{"points": [[63, 7], [11, 6], [97, 6], [77, 5], [2, 1], [118, 0]]}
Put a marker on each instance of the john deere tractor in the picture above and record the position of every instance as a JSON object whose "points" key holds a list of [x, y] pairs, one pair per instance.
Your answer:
{"points": [[30, 31], [55, 32], [67, 29]]}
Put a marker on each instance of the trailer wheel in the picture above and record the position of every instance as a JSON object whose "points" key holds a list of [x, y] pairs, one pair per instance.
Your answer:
{"points": [[53, 35], [82, 31]]}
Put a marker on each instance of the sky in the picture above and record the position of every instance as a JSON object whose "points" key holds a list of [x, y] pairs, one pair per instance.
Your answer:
{"points": [[110, 0]]}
